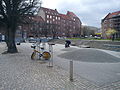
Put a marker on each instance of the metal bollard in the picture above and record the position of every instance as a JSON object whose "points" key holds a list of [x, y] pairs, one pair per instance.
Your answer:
{"points": [[71, 70], [51, 51], [51, 59]]}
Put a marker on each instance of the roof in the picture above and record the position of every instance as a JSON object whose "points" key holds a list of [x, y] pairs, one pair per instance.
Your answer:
{"points": [[38, 18], [65, 16], [50, 10], [68, 16], [71, 14], [110, 15]]}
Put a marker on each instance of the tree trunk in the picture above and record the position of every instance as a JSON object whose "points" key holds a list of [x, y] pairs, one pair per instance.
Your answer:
{"points": [[10, 41]]}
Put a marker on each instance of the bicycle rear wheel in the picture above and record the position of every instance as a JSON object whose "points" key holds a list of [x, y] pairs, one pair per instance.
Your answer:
{"points": [[46, 55]]}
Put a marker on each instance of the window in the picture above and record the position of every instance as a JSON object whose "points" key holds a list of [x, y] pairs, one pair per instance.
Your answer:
{"points": [[47, 16], [64, 21], [50, 21], [47, 21], [111, 25], [56, 17], [50, 16], [20, 27], [53, 19]]}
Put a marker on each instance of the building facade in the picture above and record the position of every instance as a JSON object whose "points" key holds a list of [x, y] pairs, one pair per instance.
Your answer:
{"points": [[31, 28], [67, 25], [111, 21]]}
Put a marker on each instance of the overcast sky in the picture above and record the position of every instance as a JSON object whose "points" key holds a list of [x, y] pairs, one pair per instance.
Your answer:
{"points": [[90, 12]]}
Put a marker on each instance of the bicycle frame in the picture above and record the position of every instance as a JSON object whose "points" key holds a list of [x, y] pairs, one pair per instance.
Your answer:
{"points": [[45, 55]]}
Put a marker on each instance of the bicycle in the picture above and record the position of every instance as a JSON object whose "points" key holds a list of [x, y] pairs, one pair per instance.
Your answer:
{"points": [[41, 54]]}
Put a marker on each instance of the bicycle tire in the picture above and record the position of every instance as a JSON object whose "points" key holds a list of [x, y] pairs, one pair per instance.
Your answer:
{"points": [[46, 55], [33, 55]]}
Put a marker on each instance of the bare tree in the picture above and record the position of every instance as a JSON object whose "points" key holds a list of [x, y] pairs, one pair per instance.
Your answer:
{"points": [[54, 30], [45, 29], [68, 34], [13, 12], [111, 33]]}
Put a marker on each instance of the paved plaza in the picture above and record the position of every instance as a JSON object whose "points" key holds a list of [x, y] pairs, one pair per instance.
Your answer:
{"points": [[19, 72]]}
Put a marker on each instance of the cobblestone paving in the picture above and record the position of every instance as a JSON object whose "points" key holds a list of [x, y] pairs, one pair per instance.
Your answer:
{"points": [[19, 72]]}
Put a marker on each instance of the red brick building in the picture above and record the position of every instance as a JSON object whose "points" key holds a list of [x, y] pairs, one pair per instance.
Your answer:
{"points": [[51, 23], [34, 26], [31, 27], [68, 25], [112, 20]]}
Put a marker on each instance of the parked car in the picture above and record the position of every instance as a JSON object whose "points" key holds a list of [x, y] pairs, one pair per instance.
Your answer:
{"points": [[33, 46], [32, 40], [18, 43]]}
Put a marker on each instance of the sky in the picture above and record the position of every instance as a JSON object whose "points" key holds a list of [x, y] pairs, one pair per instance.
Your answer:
{"points": [[90, 12]]}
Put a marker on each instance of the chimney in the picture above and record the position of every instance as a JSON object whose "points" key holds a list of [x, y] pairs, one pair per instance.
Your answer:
{"points": [[67, 12]]}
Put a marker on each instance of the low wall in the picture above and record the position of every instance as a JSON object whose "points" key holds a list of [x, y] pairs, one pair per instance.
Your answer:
{"points": [[108, 45], [101, 44]]}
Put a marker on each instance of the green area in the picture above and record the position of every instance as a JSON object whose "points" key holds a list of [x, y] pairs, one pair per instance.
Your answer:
{"points": [[118, 39]]}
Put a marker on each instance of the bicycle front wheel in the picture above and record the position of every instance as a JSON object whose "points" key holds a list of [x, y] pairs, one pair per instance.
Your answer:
{"points": [[33, 55]]}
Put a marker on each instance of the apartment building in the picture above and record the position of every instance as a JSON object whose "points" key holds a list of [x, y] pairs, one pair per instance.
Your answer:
{"points": [[68, 25], [30, 28], [112, 20]]}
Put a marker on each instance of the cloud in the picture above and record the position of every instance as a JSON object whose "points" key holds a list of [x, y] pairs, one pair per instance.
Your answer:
{"points": [[89, 11]]}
